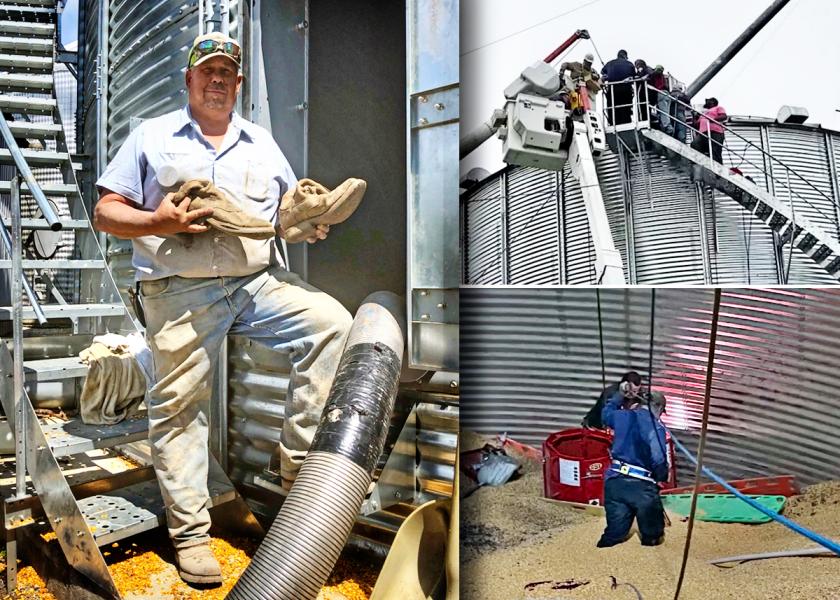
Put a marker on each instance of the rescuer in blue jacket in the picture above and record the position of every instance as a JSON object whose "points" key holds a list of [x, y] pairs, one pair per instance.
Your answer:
{"points": [[638, 462]]}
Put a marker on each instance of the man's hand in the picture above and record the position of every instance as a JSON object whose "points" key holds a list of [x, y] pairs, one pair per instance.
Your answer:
{"points": [[321, 232], [169, 218]]}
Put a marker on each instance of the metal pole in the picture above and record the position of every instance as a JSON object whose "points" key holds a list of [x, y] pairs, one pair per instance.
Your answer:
{"points": [[224, 9], [704, 427], [200, 17], [735, 47], [17, 332], [101, 89]]}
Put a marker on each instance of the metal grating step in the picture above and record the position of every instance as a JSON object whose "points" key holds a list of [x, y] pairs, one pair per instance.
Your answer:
{"points": [[24, 28], [55, 263], [34, 106], [67, 311], [49, 189], [29, 2], [28, 45], [115, 516], [70, 437], [21, 82], [27, 129], [41, 224], [37, 158], [9, 9], [54, 369], [26, 63]]}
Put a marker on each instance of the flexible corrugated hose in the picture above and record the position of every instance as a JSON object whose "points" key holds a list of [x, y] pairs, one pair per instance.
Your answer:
{"points": [[312, 527]]}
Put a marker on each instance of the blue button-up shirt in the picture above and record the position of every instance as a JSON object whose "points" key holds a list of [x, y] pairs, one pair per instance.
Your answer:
{"points": [[249, 167]]}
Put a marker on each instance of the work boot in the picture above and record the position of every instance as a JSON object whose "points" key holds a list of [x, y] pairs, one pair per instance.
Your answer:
{"points": [[653, 541], [309, 204], [196, 564], [227, 216]]}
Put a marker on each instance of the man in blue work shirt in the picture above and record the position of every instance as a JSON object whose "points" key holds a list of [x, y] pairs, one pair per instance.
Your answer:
{"points": [[638, 462], [619, 95], [198, 285]]}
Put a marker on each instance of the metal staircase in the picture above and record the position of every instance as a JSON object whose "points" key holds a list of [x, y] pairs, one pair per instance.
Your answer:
{"points": [[52, 320], [780, 216], [819, 246]]}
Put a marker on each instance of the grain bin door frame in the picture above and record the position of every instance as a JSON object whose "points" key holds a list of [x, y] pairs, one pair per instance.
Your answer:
{"points": [[432, 188], [277, 34]]}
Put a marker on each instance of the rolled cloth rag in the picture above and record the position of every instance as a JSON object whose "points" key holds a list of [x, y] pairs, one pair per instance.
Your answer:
{"points": [[227, 216], [309, 204], [115, 384]]}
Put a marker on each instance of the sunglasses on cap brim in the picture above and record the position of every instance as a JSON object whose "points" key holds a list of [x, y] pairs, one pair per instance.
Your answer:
{"points": [[207, 47]]}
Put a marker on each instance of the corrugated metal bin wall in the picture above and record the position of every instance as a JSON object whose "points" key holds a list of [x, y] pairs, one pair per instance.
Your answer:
{"points": [[664, 231], [532, 366]]}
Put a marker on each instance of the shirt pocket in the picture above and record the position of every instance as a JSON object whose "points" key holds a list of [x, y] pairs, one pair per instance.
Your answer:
{"points": [[257, 181]]}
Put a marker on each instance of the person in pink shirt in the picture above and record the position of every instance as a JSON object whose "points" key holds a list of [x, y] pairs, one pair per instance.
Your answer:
{"points": [[710, 124]]}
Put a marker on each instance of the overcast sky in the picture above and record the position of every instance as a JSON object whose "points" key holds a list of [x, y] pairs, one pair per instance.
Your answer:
{"points": [[70, 22], [793, 60]]}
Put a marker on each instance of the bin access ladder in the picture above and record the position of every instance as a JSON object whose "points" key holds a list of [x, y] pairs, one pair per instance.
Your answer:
{"points": [[780, 216], [40, 361]]}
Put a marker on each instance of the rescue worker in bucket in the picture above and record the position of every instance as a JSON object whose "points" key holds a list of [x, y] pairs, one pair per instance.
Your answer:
{"points": [[639, 463]]}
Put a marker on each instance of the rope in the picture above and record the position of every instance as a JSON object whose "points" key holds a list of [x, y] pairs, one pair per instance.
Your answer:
{"points": [[601, 339], [515, 33], [811, 535], [650, 349], [703, 430]]}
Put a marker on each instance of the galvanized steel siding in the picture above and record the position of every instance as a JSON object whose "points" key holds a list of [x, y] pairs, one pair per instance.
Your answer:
{"points": [[532, 365], [534, 246], [667, 238], [665, 233], [483, 234], [258, 380]]}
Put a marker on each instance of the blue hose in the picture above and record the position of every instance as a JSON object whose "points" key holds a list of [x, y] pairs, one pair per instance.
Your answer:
{"points": [[815, 537]]}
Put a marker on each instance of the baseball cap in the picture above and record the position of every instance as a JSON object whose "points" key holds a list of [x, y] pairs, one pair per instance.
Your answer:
{"points": [[212, 44]]}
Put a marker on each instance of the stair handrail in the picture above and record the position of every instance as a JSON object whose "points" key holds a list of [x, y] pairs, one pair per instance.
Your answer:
{"points": [[749, 143], [23, 168], [635, 102]]}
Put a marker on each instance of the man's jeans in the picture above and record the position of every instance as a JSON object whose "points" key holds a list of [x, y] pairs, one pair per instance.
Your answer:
{"points": [[186, 323], [626, 498], [663, 108]]}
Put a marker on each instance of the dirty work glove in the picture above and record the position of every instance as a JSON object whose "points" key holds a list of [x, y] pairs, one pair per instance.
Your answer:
{"points": [[309, 204], [227, 216]]}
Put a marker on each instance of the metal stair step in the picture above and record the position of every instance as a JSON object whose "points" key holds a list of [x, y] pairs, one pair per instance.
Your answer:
{"points": [[54, 369], [34, 106], [23, 82], [126, 512], [55, 263], [28, 129], [49, 189], [29, 45], [72, 436], [10, 9], [30, 2], [24, 28], [23, 62], [67, 311], [37, 158], [41, 224]]}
